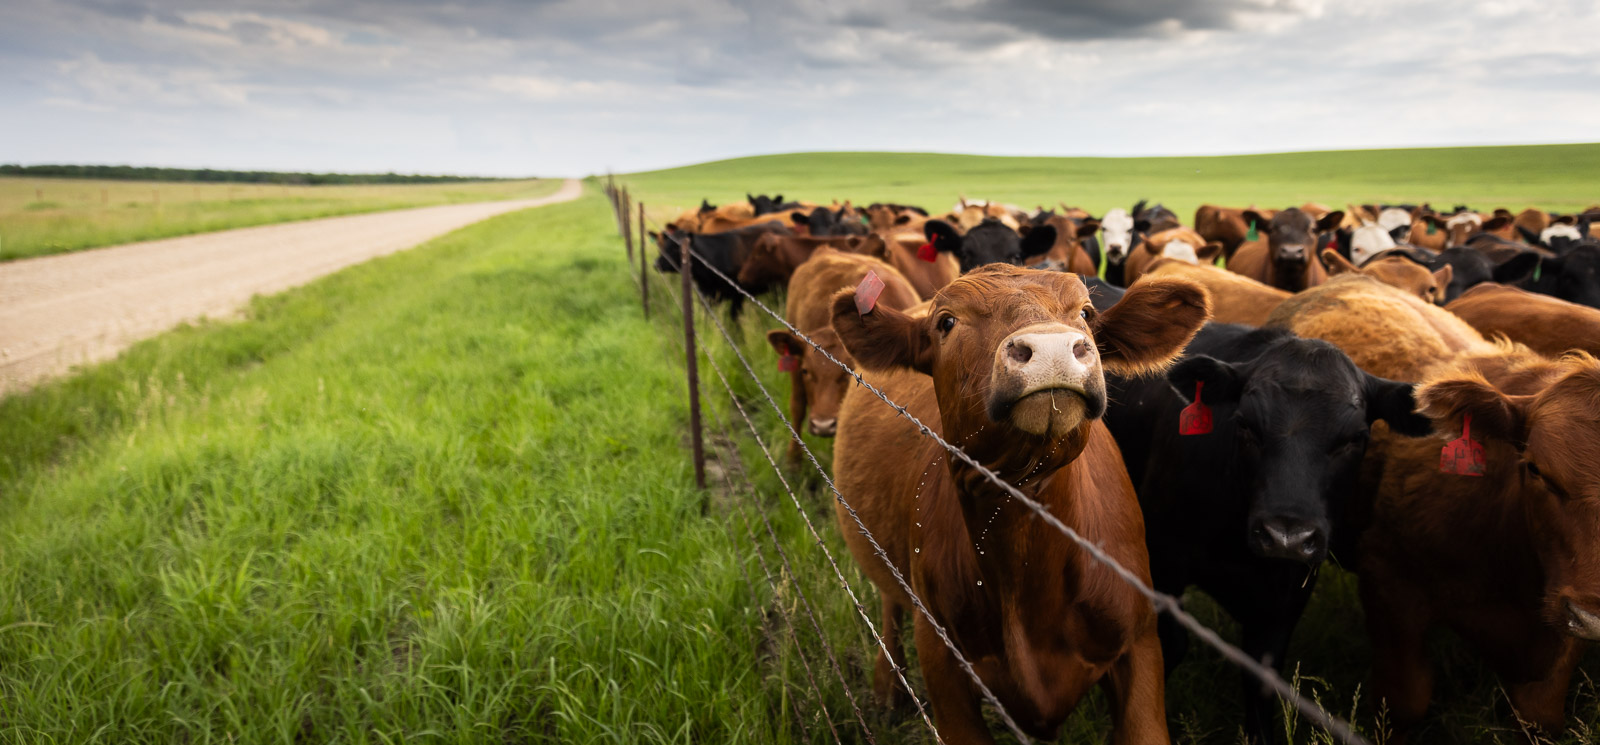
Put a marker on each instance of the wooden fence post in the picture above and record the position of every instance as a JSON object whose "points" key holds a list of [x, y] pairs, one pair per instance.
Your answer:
{"points": [[644, 275], [685, 268]]}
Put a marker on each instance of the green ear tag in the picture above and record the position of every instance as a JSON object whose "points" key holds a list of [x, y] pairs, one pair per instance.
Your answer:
{"points": [[1538, 269], [1432, 228], [1253, 235]]}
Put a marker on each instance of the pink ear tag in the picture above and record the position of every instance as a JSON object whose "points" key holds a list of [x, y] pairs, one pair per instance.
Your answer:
{"points": [[867, 293], [1463, 455], [1195, 419], [927, 252]]}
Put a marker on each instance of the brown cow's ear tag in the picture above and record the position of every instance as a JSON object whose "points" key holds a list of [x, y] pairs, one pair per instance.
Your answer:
{"points": [[927, 252], [1195, 419], [789, 362], [1463, 455], [867, 293]]}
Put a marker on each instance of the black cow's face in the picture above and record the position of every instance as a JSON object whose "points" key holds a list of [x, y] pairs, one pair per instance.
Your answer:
{"points": [[1292, 235], [1299, 416], [669, 244], [1468, 267], [1573, 276], [990, 242]]}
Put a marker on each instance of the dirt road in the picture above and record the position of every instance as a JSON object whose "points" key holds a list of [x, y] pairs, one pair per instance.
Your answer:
{"points": [[60, 311]]}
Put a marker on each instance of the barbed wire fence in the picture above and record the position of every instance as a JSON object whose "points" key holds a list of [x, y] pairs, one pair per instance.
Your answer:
{"points": [[741, 492]]}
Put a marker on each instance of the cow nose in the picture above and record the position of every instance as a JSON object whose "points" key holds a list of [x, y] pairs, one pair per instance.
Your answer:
{"points": [[824, 427], [1581, 623], [1061, 357], [1296, 252], [1288, 538]]}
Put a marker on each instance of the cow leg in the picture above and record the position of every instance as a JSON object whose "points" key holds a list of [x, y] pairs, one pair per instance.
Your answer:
{"points": [[1136, 686], [884, 682], [957, 711], [1402, 679]]}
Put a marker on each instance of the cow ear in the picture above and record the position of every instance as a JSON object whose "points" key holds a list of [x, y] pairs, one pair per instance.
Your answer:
{"points": [[1529, 237], [1331, 221], [871, 244], [1400, 232], [1223, 383], [1497, 223], [1443, 275], [1494, 414], [1088, 228], [1336, 263], [1394, 402], [1209, 252], [1150, 325], [785, 343], [1252, 216], [942, 236], [1141, 226], [1517, 268], [902, 219], [1038, 240], [799, 218], [654, 236], [883, 338]]}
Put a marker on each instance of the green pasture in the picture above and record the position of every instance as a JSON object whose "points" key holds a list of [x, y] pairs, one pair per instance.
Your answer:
{"points": [[445, 496], [1554, 177], [40, 216]]}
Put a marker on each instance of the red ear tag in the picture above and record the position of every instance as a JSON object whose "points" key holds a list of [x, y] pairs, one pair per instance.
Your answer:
{"points": [[1463, 455], [788, 362], [927, 252], [867, 293], [1195, 419]]}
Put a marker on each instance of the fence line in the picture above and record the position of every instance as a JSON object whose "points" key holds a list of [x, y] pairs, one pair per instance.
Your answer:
{"points": [[1161, 601]]}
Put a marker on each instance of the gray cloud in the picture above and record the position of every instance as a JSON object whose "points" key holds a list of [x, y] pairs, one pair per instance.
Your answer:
{"points": [[572, 86]]}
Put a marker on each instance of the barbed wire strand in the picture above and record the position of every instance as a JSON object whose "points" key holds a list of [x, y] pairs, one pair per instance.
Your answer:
{"points": [[1162, 602]]}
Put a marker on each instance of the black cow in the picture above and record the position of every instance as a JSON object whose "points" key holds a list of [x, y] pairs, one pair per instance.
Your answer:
{"points": [[1153, 219], [765, 205], [726, 251], [1573, 275], [1469, 267], [823, 222], [1248, 511], [988, 242]]}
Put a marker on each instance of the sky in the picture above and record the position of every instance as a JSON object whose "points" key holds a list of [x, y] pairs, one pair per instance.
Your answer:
{"points": [[560, 87]]}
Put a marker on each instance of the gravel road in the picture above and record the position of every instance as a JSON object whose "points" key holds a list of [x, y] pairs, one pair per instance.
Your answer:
{"points": [[66, 310]]}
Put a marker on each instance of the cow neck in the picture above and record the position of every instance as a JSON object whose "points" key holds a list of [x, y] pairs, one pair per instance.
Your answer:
{"points": [[995, 520], [1290, 276]]}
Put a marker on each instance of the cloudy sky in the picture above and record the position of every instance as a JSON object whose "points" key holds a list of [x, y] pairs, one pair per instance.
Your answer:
{"points": [[570, 87]]}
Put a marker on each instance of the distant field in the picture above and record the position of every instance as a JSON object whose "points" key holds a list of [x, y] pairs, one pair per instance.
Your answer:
{"points": [[40, 216], [1556, 177]]}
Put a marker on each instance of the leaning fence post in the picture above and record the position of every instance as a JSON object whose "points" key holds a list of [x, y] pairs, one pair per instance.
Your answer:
{"points": [[627, 224], [644, 275], [690, 351]]}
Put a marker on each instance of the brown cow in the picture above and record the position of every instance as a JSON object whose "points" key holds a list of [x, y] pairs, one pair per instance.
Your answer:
{"points": [[1285, 254], [1179, 244], [926, 276], [1429, 231], [774, 257], [1227, 225], [1234, 298], [1548, 325], [1395, 270], [1068, 249], [1008, 364], [816, 385]]}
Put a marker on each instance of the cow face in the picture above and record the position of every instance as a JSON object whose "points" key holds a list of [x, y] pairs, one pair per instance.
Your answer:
{"points": [[1368, 241], [821, 383], [670, 244], [1117, 226], [1299, 415], [1573, 276], [1397, 270], [1292, 235], [1553, 437], [1021, 353], [989, 242], [1468, 267]]}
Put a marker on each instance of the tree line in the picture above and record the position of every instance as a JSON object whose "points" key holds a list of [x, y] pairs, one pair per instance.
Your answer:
{"points": [[141, 173]]}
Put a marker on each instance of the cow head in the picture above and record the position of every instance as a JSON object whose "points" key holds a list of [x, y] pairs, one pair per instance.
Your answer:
{"points": [[763, 204], [989, 242], [1299, 416], [1020, 355], [1368, 241], [766, 265], [1292, 235], [1573, 276], [819, 382], [1543, 447], [1117, 226], [669, 243], [1469, 267], [1397, 270]]}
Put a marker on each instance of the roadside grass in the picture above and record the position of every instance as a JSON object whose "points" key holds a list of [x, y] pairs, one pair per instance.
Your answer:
{"points": [[438, 497], [40, 216], [1557, 177]]}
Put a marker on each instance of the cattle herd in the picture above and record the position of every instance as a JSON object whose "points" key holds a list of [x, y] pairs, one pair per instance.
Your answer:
{"points": [[1409, 392]]}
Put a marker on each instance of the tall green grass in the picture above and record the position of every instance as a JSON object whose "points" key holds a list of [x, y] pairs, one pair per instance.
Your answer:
{"points": [[40, 216], [1557, 177]]}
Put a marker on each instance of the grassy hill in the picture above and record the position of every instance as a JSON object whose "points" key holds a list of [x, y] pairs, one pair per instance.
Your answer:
{"points": [[1555, 177]]}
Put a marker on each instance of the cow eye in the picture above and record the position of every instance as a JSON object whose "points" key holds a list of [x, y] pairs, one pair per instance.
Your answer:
{"points": [[946, 323], [1084, 314], [1533, 470]]}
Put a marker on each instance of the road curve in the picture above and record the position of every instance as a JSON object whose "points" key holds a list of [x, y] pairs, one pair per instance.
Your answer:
{"points": [[66, 310]]}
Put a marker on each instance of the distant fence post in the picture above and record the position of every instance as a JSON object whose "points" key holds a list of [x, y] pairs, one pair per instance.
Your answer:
{"points": [[644, 276], [685, 267], [627, 222]]}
